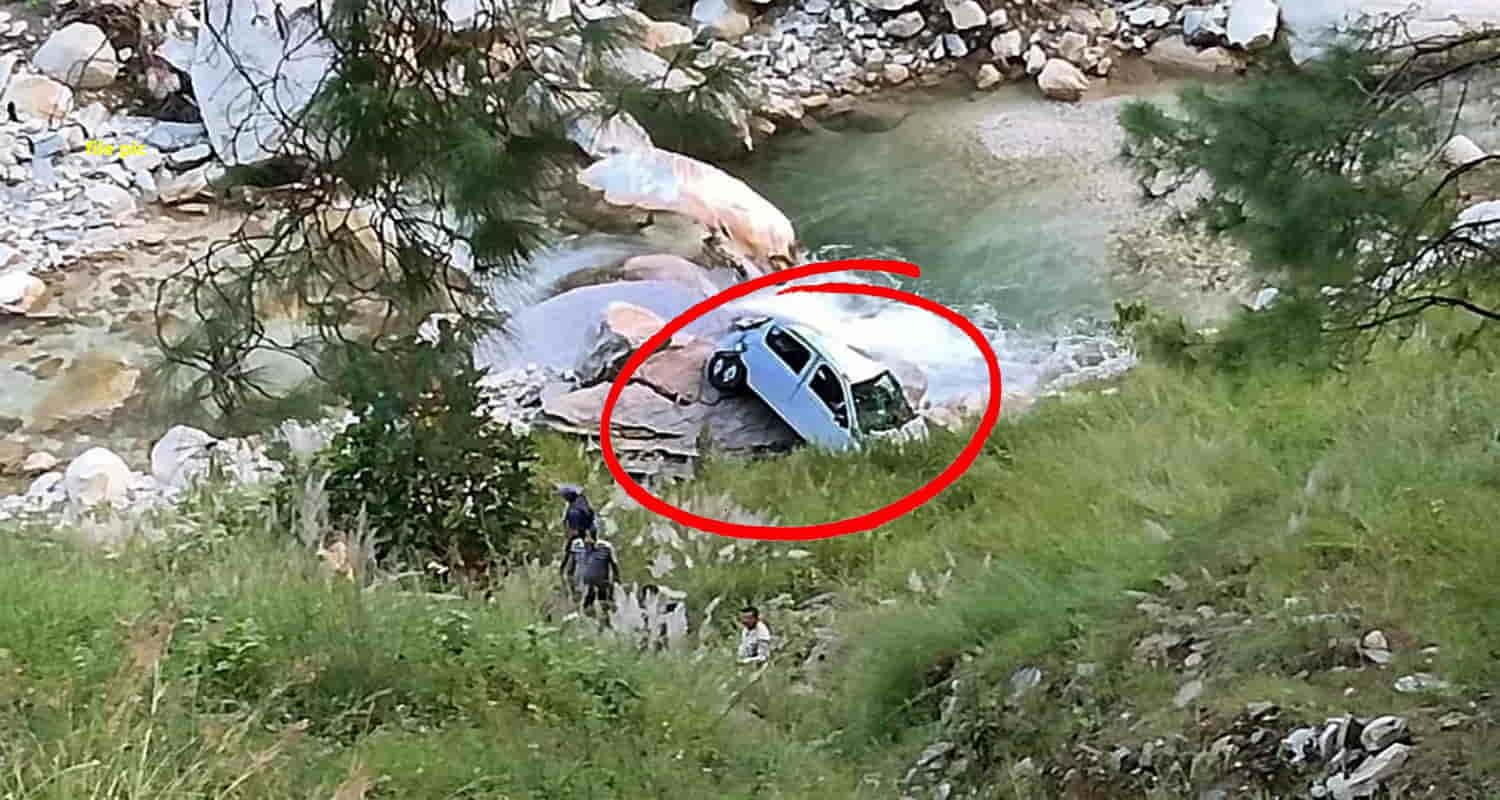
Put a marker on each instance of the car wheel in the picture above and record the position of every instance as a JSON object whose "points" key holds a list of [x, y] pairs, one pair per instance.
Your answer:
{"points": [[726, 372]]}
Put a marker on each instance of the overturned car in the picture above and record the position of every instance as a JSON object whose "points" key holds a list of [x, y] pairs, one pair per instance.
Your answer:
{"points": [[828, 393]]}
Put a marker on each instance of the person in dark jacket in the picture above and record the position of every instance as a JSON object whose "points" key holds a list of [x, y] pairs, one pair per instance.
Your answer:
{"points": [[578, 521], [600, 574]]}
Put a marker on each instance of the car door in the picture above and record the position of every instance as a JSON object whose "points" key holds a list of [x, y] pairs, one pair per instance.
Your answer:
{"points": [[779, 370], [823, 399]]}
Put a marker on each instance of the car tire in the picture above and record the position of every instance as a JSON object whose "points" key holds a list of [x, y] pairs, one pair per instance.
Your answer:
{"points": [[726, 372]]}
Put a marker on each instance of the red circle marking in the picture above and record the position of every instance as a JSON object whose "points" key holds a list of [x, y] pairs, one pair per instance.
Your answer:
{"points": [[824, 530]]}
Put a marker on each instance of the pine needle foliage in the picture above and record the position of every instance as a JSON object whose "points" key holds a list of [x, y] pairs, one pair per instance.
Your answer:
{"points": [[427, 164], [1330, 173]]}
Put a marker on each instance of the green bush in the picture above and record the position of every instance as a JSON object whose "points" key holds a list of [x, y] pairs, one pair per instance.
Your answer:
{"points": [[433, 473]]}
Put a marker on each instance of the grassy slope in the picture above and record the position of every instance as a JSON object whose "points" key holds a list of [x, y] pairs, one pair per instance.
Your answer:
{"points": [[1392, 472]]}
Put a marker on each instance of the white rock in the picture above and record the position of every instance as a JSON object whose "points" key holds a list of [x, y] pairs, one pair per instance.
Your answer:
{"points": [[1071, 46], [895, 74], [1061, 80], [988, 76], [888, 5], [19, 291], [966, 14], [97, 476], [726, 19], [1149, 16], [1382, 732], [904, 25], [38, 97], [110, 198], [999, 18], [1461, 151], [180, 456], [80, 56], [1036, 60], [189, 185], [1007, 46], [1252, 23], [248, 77], [1364, 781], [38, 462], [1174, 53], [954, 45]]}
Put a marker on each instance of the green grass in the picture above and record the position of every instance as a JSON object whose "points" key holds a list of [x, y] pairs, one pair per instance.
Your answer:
{"points": [[280, 682]]}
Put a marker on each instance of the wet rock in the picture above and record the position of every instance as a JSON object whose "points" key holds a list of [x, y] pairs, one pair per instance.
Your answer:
{"points": [[624, 328], [966, 14], [1006, 46], [1367, 778], [726, 19], [38, 97], [1461, 151], [78, 55], [97, 476], [904, 25], [1252, 23], [20, 291], [987, 76]]}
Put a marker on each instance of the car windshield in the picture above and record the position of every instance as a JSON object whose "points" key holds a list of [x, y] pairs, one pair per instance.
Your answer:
{"points": [[880, 404]]}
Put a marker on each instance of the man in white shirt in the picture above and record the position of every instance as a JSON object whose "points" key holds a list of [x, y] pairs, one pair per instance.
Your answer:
{"points": [[755, 637]]}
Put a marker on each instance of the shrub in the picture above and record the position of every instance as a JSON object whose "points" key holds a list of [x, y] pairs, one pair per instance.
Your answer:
{"points": [[435, 474]]}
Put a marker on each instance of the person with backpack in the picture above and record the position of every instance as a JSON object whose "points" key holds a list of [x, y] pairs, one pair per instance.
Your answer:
{"points": [[600, 573], [578, 520]]}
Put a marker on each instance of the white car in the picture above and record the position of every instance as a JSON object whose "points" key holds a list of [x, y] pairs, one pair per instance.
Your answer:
{"points": [[826, 392]]}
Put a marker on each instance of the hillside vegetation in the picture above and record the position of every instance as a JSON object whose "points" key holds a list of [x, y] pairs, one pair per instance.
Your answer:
{"points": [[1287, 511]]}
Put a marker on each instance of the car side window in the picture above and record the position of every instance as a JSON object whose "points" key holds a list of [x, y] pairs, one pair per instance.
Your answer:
{"points": [[791, 351], [826, 386]]}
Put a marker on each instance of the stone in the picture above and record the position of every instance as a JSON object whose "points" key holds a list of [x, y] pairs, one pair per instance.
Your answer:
{"points": [[888, 5], [1022, 681], [726, 19], [1367, 778], [895, 74], [999, 18], [97, 476], [38, 97], [38, 462], [677, 372], [1382, 732], [1036, 60], [189, 157], [1188, 693], [1149, 16], [988, 76], [1252, 23], [174, 189], [1061, 80], [966, 14], [170, 136], [954, 45], [667, 268], [78, 55], [624, 328], [904, 25], [110, 199], [1460, 151], [1419, 682], [20, 291], [1071, 46], [181, 456], [1007, 46], [1204, 26], [250, 76], [1109, 20], [1175, 54]]}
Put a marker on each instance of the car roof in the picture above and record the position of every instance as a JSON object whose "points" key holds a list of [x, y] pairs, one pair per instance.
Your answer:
{"points": [[856, 367]]}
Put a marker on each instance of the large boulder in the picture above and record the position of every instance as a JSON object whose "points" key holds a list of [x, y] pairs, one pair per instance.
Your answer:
{"points": [[38, 97], [1175, 54], [249, 75], [19, 291], [726, 19], [1061, 80], [659, 180], [1252, 23], [677, 372], [80, 56], [97, 476], [180, 456], [640, 413], [624, 327], [601, 135]]}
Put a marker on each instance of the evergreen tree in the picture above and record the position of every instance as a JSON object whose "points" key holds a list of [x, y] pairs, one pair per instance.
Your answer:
{"points": [[1329, 172]]}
